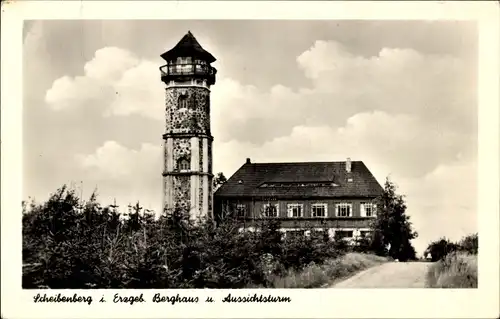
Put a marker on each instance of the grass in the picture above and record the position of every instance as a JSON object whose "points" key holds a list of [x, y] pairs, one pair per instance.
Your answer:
{"points": [[456, 270], [334, 270]]}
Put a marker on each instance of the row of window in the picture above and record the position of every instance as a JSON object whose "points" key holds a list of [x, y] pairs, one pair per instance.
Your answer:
{"points": [[333, 233], [317, 210], [294, 184]]}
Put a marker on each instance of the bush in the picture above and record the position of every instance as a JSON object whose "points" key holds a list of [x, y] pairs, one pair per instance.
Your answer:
{"points": [[74, 244], [469, 244], [441, 248], [456, 270]]}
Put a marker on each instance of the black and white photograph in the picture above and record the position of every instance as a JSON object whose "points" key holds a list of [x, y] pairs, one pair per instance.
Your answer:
{"points": [[178, 154]]}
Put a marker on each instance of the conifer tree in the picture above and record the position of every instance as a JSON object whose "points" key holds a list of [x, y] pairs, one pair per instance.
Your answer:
{"points": [[392, 228]]}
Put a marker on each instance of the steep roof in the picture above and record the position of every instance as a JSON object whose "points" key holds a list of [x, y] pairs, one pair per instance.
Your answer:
{"points": [[188, 46], [264, 179]]}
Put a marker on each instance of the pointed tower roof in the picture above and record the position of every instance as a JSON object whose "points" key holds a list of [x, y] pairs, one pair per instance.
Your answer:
{"points": [[188, 46]]}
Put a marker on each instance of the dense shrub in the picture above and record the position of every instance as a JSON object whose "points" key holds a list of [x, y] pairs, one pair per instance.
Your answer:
{"points": [[69, 243], [469, 244], [456, 263], [439, 249], [456, 270]]}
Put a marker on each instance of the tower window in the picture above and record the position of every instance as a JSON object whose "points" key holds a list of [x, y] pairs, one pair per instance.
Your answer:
{"points": [[183, 164], [183, 102]]}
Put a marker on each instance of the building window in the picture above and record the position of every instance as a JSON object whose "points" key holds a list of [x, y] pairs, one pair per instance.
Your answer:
{"points": [[344, 210], [270, 210], [241, 210], [318, 210], [183, 164], [295, 210], [368, 209], [344, 234], [182, 102]]}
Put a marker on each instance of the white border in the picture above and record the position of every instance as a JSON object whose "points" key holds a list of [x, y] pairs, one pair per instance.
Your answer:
{"points": [[389, 303]]}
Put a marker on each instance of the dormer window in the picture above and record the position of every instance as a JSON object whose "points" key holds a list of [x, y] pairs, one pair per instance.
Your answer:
{"points": [[183, 164], [183, 102]]}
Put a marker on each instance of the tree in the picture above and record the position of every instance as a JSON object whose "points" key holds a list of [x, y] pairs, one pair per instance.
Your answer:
{"points": [[469, 244], [392, 227], [440, 248], [219, 180]]}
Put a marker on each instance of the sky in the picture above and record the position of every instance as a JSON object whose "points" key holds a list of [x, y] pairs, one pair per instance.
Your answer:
{"points": [[401, 96]]}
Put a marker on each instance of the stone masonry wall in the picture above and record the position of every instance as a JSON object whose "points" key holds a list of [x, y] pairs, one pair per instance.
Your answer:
{"points": [[182, 192], [182, 148], [193, 119]]}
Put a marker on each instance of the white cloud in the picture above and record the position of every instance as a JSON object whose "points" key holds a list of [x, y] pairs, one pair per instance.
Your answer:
{"points": [[67, 92], [109, 64], [116, 81], [396, 81], [114, 161], [443, 203], [125, 175], [400, 144], [134, 96]]}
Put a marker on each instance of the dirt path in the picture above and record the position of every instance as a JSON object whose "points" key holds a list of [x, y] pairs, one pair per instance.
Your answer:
{"points": [[389, 275]]}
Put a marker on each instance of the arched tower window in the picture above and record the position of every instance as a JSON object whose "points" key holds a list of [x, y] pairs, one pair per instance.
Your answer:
{"points": [[183, 164], [183, 102]]}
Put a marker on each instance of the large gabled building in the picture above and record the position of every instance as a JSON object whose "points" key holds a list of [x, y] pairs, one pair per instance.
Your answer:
{"points": [[338, 197]]}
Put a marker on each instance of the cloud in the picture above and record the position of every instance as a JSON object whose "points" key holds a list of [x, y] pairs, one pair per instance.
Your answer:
{"points": [[114, 161], [400, 144], [114, 81], [124, 174], [443, 203], [109, 64], [433, 88]]}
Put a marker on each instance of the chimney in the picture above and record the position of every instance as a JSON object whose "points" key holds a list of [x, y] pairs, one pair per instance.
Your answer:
{"points": [[348, 165], [248, 160]]}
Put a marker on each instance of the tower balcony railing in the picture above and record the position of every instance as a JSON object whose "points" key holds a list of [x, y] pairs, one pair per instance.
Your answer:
{"points": [[175, 70]]}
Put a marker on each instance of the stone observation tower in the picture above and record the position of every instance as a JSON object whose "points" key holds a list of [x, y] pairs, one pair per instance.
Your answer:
{"points": [[187, 173]]}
